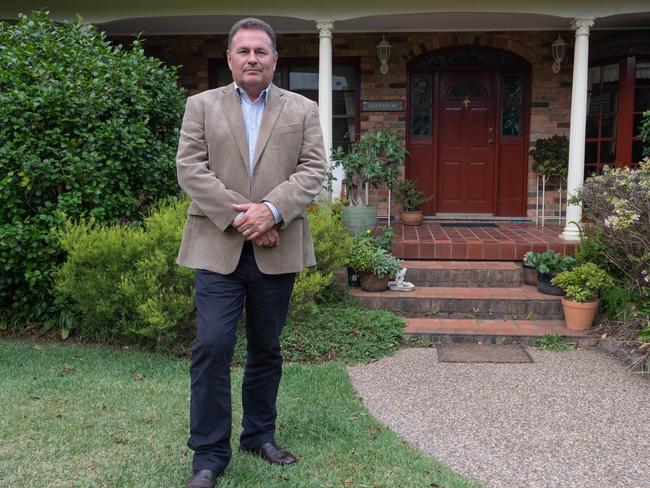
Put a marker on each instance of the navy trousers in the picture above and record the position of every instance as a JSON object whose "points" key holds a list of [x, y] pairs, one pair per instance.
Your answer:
{"points": [[220, 300]]}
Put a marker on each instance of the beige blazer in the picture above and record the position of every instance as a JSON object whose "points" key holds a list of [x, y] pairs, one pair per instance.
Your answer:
{"points": [[212, 162]]}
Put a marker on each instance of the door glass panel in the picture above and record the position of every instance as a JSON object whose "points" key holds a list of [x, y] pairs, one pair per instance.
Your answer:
{"points": [[592, 127], [421, 104], [467, 88], [511, 105]]}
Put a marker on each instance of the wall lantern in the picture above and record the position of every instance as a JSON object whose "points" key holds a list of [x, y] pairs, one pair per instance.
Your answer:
{"points": [[383, 53], [559, 52]]}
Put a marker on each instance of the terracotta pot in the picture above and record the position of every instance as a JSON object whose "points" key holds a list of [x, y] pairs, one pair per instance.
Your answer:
{"points": [[579, 316], [371, 282], [411, 218], [530, 275]]}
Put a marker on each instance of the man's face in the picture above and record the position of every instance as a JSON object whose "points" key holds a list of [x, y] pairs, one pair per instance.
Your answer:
{"points": [[251, 60]]}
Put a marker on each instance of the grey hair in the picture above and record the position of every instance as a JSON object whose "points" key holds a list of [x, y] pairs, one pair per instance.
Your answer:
{"points": [[249, 24]]}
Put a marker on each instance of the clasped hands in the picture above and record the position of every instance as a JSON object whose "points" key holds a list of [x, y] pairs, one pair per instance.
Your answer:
{"points": [[257, 224]]}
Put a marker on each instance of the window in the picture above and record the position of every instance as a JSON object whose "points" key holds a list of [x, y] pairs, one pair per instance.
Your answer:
{"points": [[301, 76], [602, 113], [512, 87], [421, 93]]}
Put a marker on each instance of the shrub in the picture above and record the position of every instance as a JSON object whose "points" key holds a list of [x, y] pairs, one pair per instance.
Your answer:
{"points": [[551, 156], [583, 283], [134, 292], [366, 257], [409, 195], [331, 246], [87, 129], [617, 206]]}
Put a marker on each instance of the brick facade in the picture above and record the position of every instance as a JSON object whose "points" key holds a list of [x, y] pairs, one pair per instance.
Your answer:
{"points": [[550, 100]]}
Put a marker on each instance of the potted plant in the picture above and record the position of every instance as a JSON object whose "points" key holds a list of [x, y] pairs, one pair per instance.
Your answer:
{"points": [[530, 262], [409, 196], [375, 266], [549, 264], [374, 159], [581, 286], [551, 156]]}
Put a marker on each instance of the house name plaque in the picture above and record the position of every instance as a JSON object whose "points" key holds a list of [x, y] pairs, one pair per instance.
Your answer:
{"points": [[382, 106]]}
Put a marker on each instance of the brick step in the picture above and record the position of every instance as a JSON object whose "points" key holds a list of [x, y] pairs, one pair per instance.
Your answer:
{"points": [[524, 302], [435, 330], [477, 274]]}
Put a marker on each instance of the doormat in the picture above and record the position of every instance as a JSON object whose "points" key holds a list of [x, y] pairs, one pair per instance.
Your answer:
{"points": [[468, 224], [482, 353]]}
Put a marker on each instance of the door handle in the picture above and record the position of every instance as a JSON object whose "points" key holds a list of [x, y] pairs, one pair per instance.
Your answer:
{"points": [[490, 139]]}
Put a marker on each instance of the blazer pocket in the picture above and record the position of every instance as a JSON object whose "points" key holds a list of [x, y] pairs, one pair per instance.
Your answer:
{"points": [[284, 129], [195, 210]]}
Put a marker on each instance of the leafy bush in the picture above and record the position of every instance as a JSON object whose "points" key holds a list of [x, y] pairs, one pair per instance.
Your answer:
{"points": [[87, 129], [583, 283], [409, 195], [134, 292], [617, 207], [366, 257], [549, 262], [331, 246], [551, 156], [121, 283]]}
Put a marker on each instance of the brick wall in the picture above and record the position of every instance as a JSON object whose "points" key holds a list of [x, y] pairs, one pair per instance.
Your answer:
{"points": [[551, 93]]}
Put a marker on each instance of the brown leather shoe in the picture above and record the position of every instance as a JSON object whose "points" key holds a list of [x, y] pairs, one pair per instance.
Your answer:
{"points": [[202, 478], [273, 453]]}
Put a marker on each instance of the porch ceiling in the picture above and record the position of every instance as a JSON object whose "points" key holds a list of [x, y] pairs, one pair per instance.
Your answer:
{"points": [[212, 17]]}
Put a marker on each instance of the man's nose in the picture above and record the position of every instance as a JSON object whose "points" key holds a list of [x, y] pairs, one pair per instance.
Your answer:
{"points": [[251, 58]]}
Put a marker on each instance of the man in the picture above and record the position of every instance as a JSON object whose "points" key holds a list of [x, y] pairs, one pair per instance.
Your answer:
{"points": [[251, 158]]}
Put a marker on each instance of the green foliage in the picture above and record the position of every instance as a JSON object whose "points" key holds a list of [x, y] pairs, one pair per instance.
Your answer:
{"points": [[644, 334], [132, 289], [550, 262], [555, 343], [386, 239], [616, 206], [134, 292], [87, 129], [551, 156], [532, 259], [584, 282], [409, 195], [331, 246], [645, 133], [366, 257], [375, 158]]}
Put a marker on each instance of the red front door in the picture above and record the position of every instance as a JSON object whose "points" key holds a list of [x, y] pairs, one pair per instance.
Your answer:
{"points": [[466, 115]]}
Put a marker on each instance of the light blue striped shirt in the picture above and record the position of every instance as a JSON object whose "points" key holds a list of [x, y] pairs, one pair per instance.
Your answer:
{"points": [[252, 112]]}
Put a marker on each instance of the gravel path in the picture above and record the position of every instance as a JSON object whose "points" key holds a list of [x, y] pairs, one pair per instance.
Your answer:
{"points": [[573, 419]]}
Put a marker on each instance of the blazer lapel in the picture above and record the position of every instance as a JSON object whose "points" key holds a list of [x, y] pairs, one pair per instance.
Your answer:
{"points": [[274, 106], [231, 107]]}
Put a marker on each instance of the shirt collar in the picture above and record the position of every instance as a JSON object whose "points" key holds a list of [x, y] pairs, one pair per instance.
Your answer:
{"points": [[263, 96]]}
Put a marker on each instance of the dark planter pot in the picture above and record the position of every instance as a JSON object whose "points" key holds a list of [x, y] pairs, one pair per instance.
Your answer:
{"points": [[530, 275], [371, 282], [544, 285]]}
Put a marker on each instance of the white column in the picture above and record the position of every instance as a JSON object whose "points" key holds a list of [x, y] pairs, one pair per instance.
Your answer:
{"points": [[325, 29], [576, 175]]}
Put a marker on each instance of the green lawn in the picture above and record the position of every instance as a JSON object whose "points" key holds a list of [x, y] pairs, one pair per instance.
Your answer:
{"points": [[86, 416]]}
